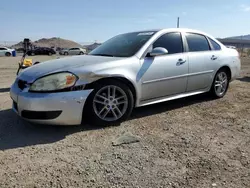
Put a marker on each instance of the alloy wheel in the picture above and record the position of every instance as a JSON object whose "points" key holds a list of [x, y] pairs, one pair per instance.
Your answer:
{"points": [[221, 83], [110, 103]]}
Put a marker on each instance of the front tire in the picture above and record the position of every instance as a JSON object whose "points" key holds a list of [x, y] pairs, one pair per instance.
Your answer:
{"points": [[66, 53], [110, 103], [81, 53], [220, 84]]}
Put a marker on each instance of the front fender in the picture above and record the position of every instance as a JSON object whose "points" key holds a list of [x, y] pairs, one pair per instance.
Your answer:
{"points": [[128, 74]]}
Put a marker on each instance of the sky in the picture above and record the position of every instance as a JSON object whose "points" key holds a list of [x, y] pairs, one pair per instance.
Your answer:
{"points": [[98, 20]]}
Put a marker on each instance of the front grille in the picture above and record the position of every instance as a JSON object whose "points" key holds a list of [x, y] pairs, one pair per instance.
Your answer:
{"points": [[40, 114], [22, 84]]}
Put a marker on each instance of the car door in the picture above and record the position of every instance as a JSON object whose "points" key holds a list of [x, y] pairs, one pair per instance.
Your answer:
{"points": [[167, 74], [2, 51], [77, 51], [200, 58], [38, 51], [71, 51], [74, 51]]}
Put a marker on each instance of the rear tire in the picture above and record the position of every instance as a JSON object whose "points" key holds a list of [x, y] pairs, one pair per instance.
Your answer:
{"points": [[8, 54], [81, 53], [220, 84], [110, 103], [32, 54], [50, 53]]}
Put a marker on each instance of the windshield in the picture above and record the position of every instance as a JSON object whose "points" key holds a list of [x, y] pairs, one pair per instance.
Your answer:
{"points": [[124, 45]]}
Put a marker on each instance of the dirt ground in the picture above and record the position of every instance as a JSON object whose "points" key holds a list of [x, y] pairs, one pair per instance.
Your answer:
{"points": [[192, 142]]}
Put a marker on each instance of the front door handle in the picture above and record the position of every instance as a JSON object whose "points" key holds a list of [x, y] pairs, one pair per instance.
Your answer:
{"points": [[180, 62], [213, 57]]}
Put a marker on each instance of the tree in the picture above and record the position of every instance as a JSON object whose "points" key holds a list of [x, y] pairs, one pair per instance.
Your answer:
{"points": [[248, 52]]}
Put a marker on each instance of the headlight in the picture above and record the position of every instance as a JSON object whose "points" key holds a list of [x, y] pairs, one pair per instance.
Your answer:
{"points": [[54, 82]]}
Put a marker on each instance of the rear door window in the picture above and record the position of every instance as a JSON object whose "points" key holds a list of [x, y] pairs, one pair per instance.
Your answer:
{"points": [[214, 44], [197, 42]]}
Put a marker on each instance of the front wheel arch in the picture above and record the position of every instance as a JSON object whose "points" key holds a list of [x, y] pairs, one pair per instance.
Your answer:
{"points": [[121, 79], [87, 115]]}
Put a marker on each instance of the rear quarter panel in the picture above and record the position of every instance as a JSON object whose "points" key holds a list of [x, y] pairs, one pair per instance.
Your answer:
{"points": [[234, 62], [230, 57]]}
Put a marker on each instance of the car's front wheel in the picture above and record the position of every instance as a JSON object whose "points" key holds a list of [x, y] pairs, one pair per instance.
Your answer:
{"points": [[66, 53], [220, 84], [81, 53], [110, 103]]}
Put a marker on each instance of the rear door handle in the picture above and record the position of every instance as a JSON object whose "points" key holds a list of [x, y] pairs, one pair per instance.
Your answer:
{"points": [[180, 62], [213, 57]]}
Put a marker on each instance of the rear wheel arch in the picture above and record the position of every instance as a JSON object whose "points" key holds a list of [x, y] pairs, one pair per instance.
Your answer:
{"points": [[7, 54], [227, 70]]}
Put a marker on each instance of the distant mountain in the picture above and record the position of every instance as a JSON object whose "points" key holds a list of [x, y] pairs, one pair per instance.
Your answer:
{"points": [[92, 46], [243, 37], [51, 42]]}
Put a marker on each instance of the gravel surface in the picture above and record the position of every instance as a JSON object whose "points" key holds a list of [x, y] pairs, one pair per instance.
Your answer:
{"points": [[191, 142]]}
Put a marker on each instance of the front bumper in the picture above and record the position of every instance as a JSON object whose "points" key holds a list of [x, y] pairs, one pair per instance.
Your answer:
{"points": [[37, 105]]}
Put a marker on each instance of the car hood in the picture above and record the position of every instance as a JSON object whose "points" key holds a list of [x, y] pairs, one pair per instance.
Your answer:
{"points": [[59, 65]]}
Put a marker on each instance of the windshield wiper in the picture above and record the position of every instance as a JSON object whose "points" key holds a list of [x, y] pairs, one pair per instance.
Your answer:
{"points": [[106, 55]]}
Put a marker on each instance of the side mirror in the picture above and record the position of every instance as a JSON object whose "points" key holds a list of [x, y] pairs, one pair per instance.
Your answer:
{"points": [[158, 51]]}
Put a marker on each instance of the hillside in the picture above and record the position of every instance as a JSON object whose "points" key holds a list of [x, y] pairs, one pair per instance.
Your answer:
{"points": [[51, 42], [243, 37], [92, 46]]}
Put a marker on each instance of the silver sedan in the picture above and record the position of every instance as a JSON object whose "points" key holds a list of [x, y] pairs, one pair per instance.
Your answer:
{"points": [[73, 51], [129, 70]]}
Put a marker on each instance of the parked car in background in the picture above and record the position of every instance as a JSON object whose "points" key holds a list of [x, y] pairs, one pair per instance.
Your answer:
{"points": [[4, 51], [73, 51], [130, 70], [19, 50], [41, 51], [233, 47]]}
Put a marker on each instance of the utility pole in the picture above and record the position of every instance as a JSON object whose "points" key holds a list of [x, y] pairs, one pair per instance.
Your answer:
{"points": [[242, 45], [178, 22]]}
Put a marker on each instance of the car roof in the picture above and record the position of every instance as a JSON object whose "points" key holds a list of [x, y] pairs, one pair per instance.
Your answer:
{"points": [[172, 30]]}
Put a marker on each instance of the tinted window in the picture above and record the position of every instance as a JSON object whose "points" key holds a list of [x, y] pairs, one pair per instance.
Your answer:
{"points": [[171, 41], [2, 49], [215, 45], [197, 43], [124, 45]]}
